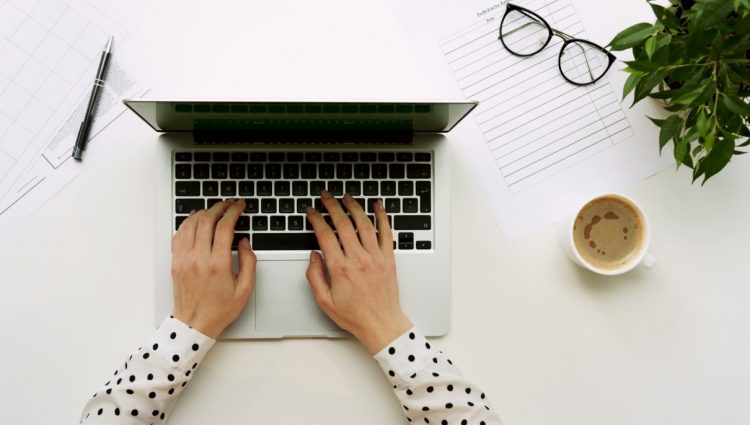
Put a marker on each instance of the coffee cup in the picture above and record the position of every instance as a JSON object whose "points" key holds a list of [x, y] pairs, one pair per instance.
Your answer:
{"points": [[609, 234]]}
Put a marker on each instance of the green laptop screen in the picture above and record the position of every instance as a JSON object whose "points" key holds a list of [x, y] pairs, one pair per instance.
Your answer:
{"points": [[221, 116]]}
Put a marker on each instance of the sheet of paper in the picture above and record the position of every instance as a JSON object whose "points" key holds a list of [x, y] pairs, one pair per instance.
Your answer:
{"points": [[537, 144], [49, 51]]}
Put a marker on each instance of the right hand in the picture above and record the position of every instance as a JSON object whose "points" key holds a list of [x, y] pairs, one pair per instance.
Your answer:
{"points": [[361, 294]]}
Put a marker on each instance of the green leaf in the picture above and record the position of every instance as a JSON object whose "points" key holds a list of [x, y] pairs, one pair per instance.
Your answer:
{"points": [[735, 105], [631, 36], [650, 46], [680, 151], [630, 84], [718, 158], [663, 39], [709, 13], [708, 141], [701, 123], [688, 97], [644, 86], [643, 66], [670, 127]]}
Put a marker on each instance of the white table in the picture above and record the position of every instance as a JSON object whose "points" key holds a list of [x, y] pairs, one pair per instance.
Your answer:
{"points": [[548, 342]]}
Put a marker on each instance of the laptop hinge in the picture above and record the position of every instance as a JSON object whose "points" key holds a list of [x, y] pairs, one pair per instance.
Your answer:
{"points": [[304, 138]]}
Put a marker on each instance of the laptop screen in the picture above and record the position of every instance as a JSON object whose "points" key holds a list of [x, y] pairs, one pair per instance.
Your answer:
{"points": [[218, 116]]}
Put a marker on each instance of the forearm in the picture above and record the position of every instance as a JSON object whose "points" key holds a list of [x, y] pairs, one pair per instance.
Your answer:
{"points": [[430, 387], [146, 386]]}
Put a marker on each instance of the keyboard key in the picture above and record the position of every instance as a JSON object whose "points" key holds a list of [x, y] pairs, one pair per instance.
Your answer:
{"points": [[294, 156], [353, 188], [229, 189], [331, 156], [237, 238], [386, 156], [247, 188], [210, 188], [221, 156], [392, 205], [379, 171], [276, 157], [295, 222], [404, 156], [187, 188], [422, 156], [418, 171], [243, 223], [286, 205], [368, 156], [387, 188], [406, 240], [260, 223], [251, 205], [202, 156], [411, 205], [325, 171], [405, 188], [313, 157], [291, 171], [265, 188], [303, 204], [370, 188], [210, 202], [299, 188], [273, 171], [362, 202], [255, 171], [237, 171], [336, 187], [309, 171], [424, 245], [350, 157], [184, 206], [201, 171], [178, 221], [424, 192], [258, 156], [343, 171], [316, 187], [412, 222], [268, 205], [218, 171], [238, 156], [182, 171], [361, 171], [183, 156], [281, 188], [278, 222], [396, 171], [371, 204], [318, 205], [285, 241]]}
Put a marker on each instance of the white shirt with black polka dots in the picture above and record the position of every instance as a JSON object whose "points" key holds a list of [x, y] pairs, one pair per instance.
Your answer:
{"points": [[145, 388]]}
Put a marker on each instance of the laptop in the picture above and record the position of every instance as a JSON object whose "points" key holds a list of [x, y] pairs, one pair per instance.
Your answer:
{"points": [[278, 156]]}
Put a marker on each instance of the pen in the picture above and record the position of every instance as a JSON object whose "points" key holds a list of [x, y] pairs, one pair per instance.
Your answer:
{"points": [[83, 131]]}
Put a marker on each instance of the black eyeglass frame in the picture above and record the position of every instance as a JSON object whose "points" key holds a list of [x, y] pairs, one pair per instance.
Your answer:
{"points": [[567, 39]]}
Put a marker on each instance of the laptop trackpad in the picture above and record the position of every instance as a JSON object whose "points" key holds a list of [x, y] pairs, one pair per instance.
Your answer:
{"points": [[284, 301]]}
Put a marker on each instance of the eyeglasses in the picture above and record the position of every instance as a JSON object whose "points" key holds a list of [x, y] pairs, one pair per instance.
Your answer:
{"points": [[524, 33]]}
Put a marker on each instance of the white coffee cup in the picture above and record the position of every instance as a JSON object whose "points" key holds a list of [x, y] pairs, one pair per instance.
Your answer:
{"points": [[642, 258]]}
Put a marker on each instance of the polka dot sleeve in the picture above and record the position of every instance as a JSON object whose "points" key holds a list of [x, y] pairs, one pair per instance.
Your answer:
{"points": [[146, 386], [430, 387]]}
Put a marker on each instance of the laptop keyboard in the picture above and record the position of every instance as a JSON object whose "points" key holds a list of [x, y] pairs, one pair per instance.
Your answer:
{"points": [[278, 187]]}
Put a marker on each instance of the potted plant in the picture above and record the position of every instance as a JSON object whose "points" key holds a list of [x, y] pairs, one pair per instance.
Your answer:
{"points": [[696, 59]]}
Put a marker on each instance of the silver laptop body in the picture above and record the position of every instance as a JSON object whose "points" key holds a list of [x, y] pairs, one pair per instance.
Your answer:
{"points": [[270, 137]]}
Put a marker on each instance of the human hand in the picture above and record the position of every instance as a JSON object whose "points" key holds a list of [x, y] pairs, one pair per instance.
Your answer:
{"points": [[362, 296], [208, 295]]}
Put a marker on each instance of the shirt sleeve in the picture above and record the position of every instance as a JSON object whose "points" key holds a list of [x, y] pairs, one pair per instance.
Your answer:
{"points": [[430, 387], [145, 388]]}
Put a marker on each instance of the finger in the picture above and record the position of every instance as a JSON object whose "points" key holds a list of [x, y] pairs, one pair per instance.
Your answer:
{"points": [[364, 226], [342, 222], [248, 263], [384, 230], [185, 237], [204, 235], [320, 289], [225, 227], [323, 232]]}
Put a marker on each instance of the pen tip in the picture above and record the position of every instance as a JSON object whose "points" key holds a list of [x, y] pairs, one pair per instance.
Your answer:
{"points": [[109, 43]]}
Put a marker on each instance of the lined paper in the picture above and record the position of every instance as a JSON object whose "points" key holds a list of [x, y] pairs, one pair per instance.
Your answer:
{"points": [[534, 122]]}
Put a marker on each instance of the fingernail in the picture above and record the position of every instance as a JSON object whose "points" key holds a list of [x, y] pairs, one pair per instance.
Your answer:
{"points": [[326, 194], [379, 204], [347, 196], [191, 213], [313, 257], [310, 210]]}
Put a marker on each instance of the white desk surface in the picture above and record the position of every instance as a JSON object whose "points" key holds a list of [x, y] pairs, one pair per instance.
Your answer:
{"points": [[548, 342]]}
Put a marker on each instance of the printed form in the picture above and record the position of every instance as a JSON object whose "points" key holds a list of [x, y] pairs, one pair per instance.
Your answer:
{"points": [[538, 145], [49, 51]]}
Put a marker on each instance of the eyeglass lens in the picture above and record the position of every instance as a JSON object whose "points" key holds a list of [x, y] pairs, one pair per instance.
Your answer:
{"points": [[523, 33], [582, 63]]}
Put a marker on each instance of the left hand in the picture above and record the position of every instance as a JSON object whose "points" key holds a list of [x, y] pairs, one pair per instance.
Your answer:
{"points": [[208, 295]]}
